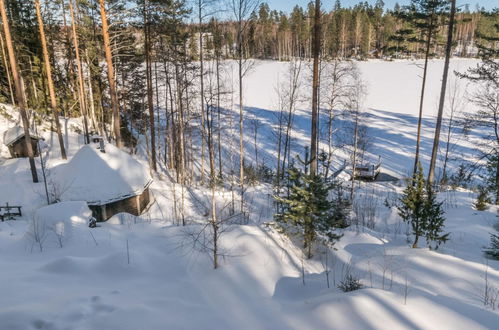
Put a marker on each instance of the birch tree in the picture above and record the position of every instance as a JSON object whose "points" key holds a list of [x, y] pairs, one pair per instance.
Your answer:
{"points": [[241, 10], [335, 82], [289, 93], [354, 102]]}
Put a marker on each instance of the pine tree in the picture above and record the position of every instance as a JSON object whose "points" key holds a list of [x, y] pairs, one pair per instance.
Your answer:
{"points": [[48, 73], [110, 74], [488, 70], [19, 89]]}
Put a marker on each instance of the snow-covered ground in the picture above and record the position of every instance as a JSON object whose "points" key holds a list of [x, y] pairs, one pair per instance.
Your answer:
{"points": [[390, 109], [389, 112], [142, 272]]}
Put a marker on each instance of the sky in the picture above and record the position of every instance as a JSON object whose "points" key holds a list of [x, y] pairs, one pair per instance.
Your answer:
{"points": [[287, 5]]}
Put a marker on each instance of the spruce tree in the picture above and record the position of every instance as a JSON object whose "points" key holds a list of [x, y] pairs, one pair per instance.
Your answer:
{"points": [[482, 199], [309, 207], [419, 207], [435, 220], [493, 249], [412, 208], [492, 173]]}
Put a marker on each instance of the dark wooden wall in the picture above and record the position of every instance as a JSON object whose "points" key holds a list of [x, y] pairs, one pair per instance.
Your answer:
{"points": [[18, 148]]}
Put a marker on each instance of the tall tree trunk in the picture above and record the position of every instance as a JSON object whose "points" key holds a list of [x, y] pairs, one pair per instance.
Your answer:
{"points": [[201, 78], [173, 131], [329, 140], [447, 146], [436, 140], [497, 180], [170, 123], [48, 71], [110, 76], [315, 87], [69, 55], [421, 100], [158, 115], [81, 87], [150, 106], [214, 222], [91, 101], [181, 125], [354, 160], [19, 90], [185, 88], [7, 70], [219, 124], [241, 109], [279, 143]]}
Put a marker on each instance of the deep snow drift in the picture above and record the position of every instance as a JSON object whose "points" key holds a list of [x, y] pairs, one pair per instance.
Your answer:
{"points": [[142, 272]]}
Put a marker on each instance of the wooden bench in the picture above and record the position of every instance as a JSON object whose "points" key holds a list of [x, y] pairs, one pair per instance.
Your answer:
{"points": [[8, 212]]}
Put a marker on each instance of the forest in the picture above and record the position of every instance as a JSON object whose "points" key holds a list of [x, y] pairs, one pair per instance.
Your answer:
{"points": [[220, 157]]}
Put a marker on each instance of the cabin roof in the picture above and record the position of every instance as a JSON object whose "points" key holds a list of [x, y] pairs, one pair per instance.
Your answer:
{"points": [[16, 133], [100, 178]]}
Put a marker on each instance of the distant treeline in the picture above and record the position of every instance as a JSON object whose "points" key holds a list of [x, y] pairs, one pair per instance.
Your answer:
{"points": [[362, 31], [168, 34]]}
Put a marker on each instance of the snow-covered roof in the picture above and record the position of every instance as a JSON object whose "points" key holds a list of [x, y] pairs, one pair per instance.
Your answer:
{"points": [[100, 178], [15, 133]]}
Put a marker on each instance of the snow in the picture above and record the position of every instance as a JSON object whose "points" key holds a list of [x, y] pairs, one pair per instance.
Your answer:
{"points": [[58, 221], [101, 177], [143, 272], [15, 133], [393, 86], [390, 114], [390, 109], [69, 212]]}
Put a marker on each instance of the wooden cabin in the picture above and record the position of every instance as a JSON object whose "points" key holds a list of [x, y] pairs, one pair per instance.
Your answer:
{"points": [[108, 179], [135, 205], [14, 138]]}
